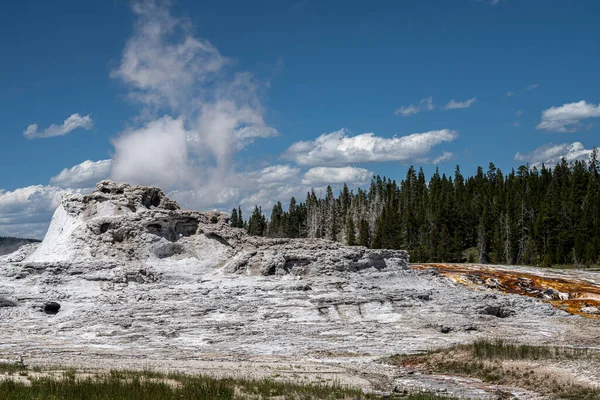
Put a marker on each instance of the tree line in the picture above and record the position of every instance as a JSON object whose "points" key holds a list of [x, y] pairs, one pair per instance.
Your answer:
{"points": [[532, 216]]}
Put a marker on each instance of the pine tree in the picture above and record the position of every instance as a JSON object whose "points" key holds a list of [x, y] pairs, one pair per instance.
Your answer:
{"points": [[276, 223], [257, 222], [350, 234], [293, 222], [331, 215], [364, 234], [233, 221], [240, 223]]}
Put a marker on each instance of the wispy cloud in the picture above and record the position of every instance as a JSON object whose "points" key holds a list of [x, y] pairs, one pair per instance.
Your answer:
{"points": [[511, 93], [427, 105], [531, 87], [518, 113], [341, 148], [453, 104], [492, 2], [566, 118], [84, 175], [333, 175], [445, 156], [70, 124], [550, 154], [424, 105], [276, 175]]}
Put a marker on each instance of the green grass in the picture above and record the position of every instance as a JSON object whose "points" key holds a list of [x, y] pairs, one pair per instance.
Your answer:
{"points": [[500, 374], [500, 349], [150, 385], [580, 393], [489, 374], [500, 362], [11, 368]]}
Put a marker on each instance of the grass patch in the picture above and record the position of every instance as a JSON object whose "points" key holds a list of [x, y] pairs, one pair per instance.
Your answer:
{"points": [[508, 363], [11, 368], [489, 374], [500, 349], [68, 384]]}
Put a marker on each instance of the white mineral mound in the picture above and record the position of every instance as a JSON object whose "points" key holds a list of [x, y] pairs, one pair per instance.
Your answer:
{"points": [[135, 224]]}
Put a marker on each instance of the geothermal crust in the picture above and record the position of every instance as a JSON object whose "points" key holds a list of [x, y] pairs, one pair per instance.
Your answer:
{"points": [[126, 278]]}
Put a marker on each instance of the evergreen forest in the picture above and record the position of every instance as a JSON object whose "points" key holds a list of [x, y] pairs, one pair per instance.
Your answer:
{"points": [[531, 216]]}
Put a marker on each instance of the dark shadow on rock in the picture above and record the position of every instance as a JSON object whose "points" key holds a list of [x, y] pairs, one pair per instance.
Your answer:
{"points": [[51, 308], [497, 311]]}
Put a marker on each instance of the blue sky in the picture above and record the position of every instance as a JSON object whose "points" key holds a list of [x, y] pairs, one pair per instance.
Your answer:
{"points": [[225, 102]]}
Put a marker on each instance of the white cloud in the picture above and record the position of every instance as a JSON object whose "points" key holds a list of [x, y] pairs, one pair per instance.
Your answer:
{"points": [[525, 89], [424, 105], [277, 174], [278, 181], [73, 122], [261, 187], [445, 156], [566, 118], [519, 112], [26, 212], [340, 148], [266, 197], [531, 87], [452, 104], [427, 105], [516, 123], [266, 186], [407, 111], [83, 175], [550, 154], [23, 198], [332, 175]]}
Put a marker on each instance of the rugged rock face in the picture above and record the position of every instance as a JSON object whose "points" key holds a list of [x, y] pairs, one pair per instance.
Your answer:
{"points": [[124, 274], [120, 223]]}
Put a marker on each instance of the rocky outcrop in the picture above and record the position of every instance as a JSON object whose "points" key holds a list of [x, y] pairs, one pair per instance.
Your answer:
{"points": [[125, 224]]}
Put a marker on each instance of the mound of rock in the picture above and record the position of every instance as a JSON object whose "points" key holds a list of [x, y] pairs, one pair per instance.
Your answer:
{"points": [[121, 223]]}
